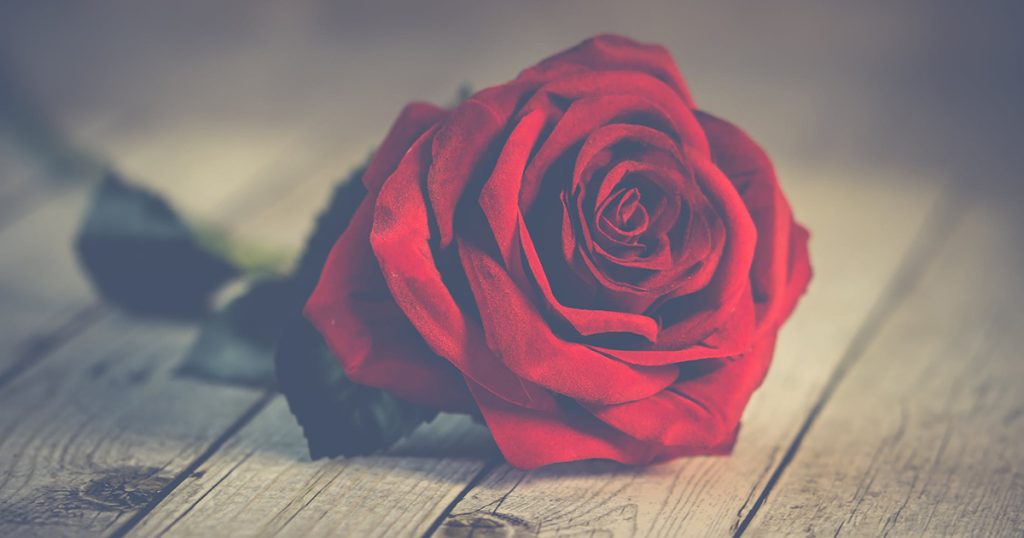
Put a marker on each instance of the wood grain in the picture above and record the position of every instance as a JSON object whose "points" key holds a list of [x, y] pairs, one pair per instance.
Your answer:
{"points": [[262, 484], [871, 218], [96, 431], [924, 435]]}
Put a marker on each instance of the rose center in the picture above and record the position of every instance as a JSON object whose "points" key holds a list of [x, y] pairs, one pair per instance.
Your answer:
{"points": [[625, 218], [626, 213]]}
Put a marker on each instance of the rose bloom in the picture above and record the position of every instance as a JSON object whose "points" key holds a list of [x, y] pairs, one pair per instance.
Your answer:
{"points": [[580, 256]]}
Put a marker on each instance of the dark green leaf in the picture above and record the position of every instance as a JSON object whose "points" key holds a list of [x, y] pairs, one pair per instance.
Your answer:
{"points": [[142, 257], [338, 417]]}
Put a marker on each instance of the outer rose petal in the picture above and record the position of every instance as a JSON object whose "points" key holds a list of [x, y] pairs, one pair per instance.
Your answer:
{"points": [[414, 119], [462, 145], [780, 259], [526, 344], [352, 309], [800, 273], [529, 439], [465, 148], [732, 337], [401, 240], [699, 414], [613, 53]]}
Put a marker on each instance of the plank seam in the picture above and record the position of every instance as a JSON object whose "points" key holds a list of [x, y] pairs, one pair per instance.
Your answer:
{"points": [[486, 470], [180, 478], [936, 229], [208, 491]]}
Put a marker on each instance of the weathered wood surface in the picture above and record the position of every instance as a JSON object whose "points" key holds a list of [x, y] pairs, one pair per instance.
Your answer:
{"points": [[261, 483], [925, 433], [862, 231], [94, 432]]}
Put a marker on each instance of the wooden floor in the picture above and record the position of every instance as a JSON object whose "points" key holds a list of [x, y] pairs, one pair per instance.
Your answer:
{"points": [[894, 406]]}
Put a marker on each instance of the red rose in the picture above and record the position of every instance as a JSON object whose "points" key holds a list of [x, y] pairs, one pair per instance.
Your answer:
{"points": [[596, 265]]}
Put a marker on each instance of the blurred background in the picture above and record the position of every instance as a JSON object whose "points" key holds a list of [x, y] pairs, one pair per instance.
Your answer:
{"points": [[226, 105]]}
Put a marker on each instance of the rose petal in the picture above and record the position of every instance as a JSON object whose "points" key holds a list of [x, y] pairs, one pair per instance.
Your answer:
{"points": [[639, 98], [605, 261], [517, 332], [800, 273], [499, 195], [699, 413], [732, 336], [609, 52], [588, 322], [707, 311], [529, 438], [679, 256], [401, 240], [744, 162], [352, 309], [497, 200], [414, 119], [464, 148]]}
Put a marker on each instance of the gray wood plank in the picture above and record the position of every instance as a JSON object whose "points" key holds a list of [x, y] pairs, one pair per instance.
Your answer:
{"points": [[862, 225], [95, 432], [924, 435], [261, 483]]}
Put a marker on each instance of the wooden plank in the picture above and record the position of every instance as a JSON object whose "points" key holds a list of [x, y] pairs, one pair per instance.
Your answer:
{"points": [[923, 435], [862, 225], [262, 484], [95, 432]]}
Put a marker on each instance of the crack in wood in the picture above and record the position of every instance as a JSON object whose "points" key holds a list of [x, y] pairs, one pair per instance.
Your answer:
{"points": [[941, 221], [118, 490]]}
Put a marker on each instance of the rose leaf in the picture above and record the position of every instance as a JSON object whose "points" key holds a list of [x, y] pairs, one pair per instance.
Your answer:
{"points": [[142, 257]]}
